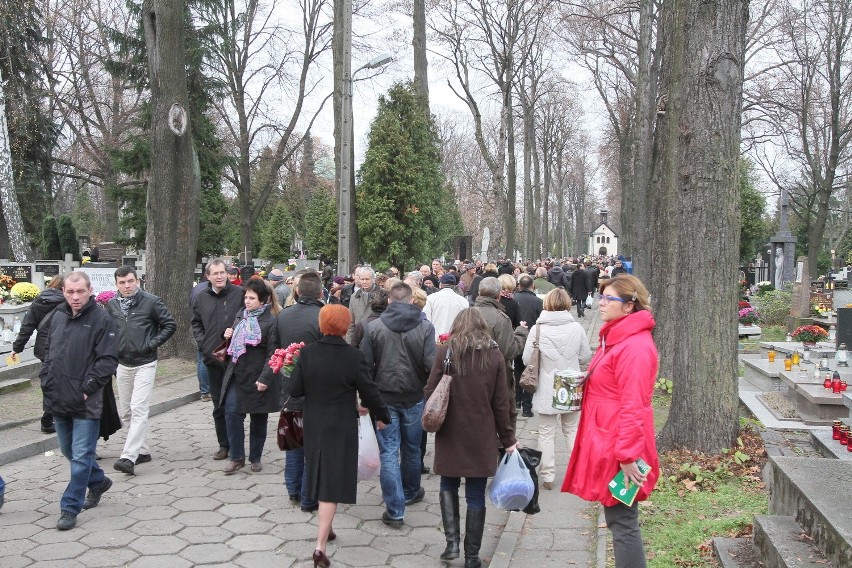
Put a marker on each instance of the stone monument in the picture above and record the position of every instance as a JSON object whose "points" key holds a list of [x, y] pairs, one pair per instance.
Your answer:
{"points": [[782, 267]]}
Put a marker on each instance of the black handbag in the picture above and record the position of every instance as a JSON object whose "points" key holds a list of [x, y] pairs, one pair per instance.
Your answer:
{"points": [[290, 432]]}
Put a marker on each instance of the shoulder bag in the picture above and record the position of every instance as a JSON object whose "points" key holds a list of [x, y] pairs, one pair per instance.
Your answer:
{"points": [[291, 434], [529, 378], [435, 410], [220, 352]]}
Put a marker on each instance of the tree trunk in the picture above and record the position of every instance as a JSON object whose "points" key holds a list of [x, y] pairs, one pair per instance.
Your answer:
{"points": [[8, 197], [421, 77], [173, 185], [511, 175], [696, 226]]}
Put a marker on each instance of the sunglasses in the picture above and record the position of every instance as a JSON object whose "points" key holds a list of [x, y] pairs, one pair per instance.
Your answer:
{"points": [[606, 298]]}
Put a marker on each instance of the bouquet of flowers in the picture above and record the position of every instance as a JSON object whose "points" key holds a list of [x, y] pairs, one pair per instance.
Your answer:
{"points": [[104, 297], [24, 291], [743, 304], [6, 283], [748, 315], [809, 334], [764, 286], [443, 338], [286, 358]]}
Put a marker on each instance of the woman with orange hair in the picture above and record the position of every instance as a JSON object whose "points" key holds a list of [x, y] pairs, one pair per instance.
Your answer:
{"points": [[328, 373]]}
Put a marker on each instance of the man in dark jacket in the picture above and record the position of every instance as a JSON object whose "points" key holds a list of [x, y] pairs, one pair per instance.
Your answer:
{"points": [[400, 348], [297, 323], [557, 277], [38, 320], [579, 290], [214, 311], [81, 359], [530, 306], [144, 324]]}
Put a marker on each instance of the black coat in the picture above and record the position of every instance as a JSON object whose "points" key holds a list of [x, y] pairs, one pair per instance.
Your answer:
{"points": [[512, 309], [580, 285], [250, 368], [146, 326], [41, 307], [327, 374], [530, 306], [296, 323], [212, 314]]}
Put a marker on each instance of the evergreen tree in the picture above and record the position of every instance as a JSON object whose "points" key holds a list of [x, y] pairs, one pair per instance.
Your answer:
{"points": [[321, 225], [754, 229], [51, 249], [68, 241], [401, 195], [276, 234]]}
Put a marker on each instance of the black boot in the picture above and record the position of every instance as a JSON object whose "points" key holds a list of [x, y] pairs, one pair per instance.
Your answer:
{"points": [[450, 515], [473, 527]]}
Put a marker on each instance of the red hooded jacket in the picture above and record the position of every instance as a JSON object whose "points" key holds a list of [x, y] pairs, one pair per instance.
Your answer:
{"points": [[617, 420]]}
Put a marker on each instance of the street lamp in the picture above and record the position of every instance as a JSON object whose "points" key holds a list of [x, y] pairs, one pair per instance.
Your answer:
{"points": [[345, 196]]}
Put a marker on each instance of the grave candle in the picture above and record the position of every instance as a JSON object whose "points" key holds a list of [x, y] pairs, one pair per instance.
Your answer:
{"points": [[788, 363], [835, 429]]}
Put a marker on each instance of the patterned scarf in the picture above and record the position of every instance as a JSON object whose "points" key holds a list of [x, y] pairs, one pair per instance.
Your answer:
{"points": [[247, 332], [124, 303]]}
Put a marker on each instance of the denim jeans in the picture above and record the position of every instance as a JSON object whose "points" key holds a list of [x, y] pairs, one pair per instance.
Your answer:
{"points": [[235, 424], [216, 374], [474, 490], [203, 378], [295, 476], [78, 438], [399, 446]]}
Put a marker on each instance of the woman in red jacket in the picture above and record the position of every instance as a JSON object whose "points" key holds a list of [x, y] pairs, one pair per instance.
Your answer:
{"points": [[617, 423]]}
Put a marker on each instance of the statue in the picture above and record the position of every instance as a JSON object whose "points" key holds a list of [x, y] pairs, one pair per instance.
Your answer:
{"points": [[779, 267]]}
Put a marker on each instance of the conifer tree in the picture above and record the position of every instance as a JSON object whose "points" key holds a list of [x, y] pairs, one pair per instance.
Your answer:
{"points": [[68, 242], [51, 249]]}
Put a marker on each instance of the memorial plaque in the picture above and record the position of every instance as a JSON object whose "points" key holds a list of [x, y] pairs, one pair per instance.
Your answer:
{"points": [[18, 273], [49, 270]]}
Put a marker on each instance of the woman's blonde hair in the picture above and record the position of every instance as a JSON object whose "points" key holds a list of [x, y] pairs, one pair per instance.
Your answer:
{"points": [[274, 305], [557, 300], [629, 288], [507, 282], [419, 297]]}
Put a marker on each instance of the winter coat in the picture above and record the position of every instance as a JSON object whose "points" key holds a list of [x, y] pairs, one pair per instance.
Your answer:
{"points": [[512, 309], [477, 414], [617, 422], [558, 278], [146, 326], [580, 285], [529, 306], [250, 368], [82, 356], [359, 307], [212, 314], [542, 286], [442, 307], [563, 344], [296, 323], [327, 375], [38, 320], [399, 348]]}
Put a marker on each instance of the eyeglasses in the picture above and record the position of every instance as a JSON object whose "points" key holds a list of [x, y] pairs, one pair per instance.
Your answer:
{"points": [[606, 298]]}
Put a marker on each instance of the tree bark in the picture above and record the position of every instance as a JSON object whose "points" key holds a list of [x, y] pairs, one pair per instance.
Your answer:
{"points": [[173, 185], [421, 64], [8, 197], [695, 235]]}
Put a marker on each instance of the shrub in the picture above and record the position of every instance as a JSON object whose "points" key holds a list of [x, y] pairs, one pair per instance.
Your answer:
{"points": [[774, 306]]}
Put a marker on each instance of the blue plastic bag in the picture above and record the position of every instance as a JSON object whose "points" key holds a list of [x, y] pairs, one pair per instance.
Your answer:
{"points": [[512, 487]]}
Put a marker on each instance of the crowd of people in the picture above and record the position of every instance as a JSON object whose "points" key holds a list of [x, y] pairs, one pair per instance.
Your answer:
{"points": [[377, 344]]}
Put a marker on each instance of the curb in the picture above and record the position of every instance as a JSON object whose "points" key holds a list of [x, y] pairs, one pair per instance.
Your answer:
{"points": [[508, 540], [601, 536], [52, 442]]}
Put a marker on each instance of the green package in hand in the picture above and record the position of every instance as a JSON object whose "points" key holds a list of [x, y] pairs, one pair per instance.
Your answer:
{"points": [[622, 489]]}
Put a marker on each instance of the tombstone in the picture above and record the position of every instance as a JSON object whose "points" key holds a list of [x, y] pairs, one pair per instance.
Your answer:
{"points": [[19, 272], [49, 269], [801, 302], [783, 243]]}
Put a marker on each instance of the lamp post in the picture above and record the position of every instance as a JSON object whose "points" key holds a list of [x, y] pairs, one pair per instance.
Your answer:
{"points": [[346, 249]]}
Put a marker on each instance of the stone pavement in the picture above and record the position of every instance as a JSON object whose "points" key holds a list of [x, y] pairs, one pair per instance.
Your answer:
{"points": [[180, 510]]}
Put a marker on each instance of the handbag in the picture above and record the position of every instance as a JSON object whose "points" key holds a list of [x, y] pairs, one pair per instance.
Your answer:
{"points": [[290, 432], [529, 378], [220, 352], [435, 410]]}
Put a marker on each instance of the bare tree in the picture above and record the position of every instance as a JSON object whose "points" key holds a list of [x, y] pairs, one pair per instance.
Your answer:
{"points": [[11, 211]]}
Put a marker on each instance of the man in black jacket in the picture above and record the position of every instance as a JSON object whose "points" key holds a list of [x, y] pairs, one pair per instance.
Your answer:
{"points": [[400, 348], [580, 289], [530, 306], [297, 323], [214, 310], [144, 324], [81, 359]]}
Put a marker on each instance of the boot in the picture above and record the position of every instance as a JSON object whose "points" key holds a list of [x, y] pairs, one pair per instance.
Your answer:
{"points": [[450, 516], [473, 527]]}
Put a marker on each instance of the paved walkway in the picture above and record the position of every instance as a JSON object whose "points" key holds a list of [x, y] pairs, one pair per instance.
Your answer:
{"points": [[180, 510]]}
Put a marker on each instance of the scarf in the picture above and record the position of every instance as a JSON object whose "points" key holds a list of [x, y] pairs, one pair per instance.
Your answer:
{"points": [[124, 303], [247, 332]]}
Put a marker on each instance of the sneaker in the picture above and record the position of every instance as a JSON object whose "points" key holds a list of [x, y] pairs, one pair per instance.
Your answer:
{"points": [[94, 496], [66, 521], [124, 465], [417, 498], [220, 454], [143, 458], [392, 523], [205, 397]]}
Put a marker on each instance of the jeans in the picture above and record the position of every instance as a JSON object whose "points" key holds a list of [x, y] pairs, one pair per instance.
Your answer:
{"points": [[135, 386], [203, 377], [623, 522], [235, 424], [474, 490], [399, 448], [295, 476], [547, 424], [78, 438], [216, 374]]}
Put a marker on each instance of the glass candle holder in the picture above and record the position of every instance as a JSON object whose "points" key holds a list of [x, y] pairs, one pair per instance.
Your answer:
{"points": [[835, 429], [844, 435], [848, 448], [827, 382], [796, 357], [788, 363], [843, 386], [835, 387], [771, 355]]}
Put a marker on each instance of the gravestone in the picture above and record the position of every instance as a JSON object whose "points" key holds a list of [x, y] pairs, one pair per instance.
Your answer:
{"points": [[801, 301], [783, 250]]}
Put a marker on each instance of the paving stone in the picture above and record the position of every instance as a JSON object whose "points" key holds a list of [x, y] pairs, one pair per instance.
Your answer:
{"points": [[150, 513], [300, 531], [201, 519], [196, 504], [160, 562], [238, 496], [58, 551], [202, 535], [249, 510], [158, 545], [155, 527], [192, 491], [15, 532], [361, 556], [208, 553], [19, 546], [49, 534], [253, 542], [102, 557], [16, 561], [108, 538], [394, 545], [57, 564], [94, 522], [263, 558], [22, 518], [247, 525]]}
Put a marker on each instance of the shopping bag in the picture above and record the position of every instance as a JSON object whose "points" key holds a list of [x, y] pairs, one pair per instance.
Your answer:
{"points": [[368, 450], [589, 300], [512, 487], [531, 459]]}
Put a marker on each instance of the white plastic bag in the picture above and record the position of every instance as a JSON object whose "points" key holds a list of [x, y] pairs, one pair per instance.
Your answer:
{"points": [[589, 300], [512, 488], [368, 450]]}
